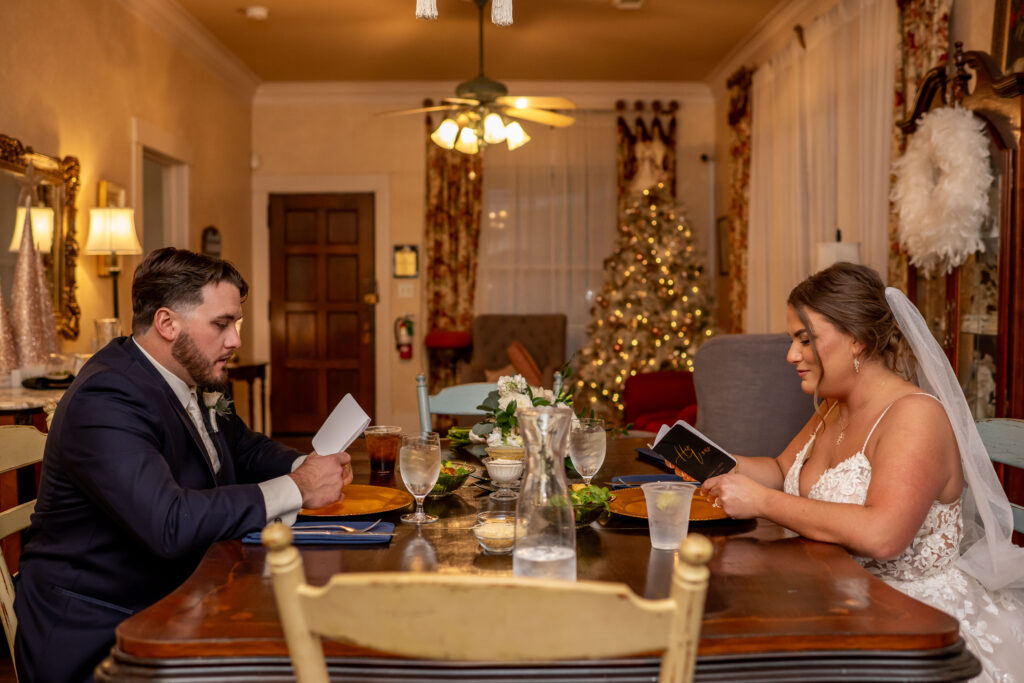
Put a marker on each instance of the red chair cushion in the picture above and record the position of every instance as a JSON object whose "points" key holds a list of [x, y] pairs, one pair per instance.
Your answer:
{"points": [[447, 339], [652, 422], [653, 392]]}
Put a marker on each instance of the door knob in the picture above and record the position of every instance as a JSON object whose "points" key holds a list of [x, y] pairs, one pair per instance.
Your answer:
{"points": [[370, 298]]}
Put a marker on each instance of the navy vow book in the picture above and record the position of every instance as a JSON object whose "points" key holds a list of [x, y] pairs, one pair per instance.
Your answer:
{"points": [[690, 451]]}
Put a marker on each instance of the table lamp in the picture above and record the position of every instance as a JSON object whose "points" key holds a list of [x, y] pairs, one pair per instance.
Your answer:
{"points": [[42, 228], [834, 252], [112, 233]]}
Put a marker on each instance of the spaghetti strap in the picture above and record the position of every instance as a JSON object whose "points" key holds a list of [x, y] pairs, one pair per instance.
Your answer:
{"points": [[916, 393]]}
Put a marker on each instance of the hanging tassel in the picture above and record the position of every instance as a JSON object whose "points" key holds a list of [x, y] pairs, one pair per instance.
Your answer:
{"points": [[426, 9], [501, 12]]}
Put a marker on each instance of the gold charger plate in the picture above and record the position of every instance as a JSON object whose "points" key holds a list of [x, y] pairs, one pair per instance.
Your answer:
{"points": [[630, 502], [360, 500]]}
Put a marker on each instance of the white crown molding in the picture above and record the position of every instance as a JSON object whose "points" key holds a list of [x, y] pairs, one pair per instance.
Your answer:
{"points": [[771, 32], [169, 19], [586, 94]]}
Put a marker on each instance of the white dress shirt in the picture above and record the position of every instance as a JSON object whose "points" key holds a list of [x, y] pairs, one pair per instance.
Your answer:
{"points": [[281, 495]]}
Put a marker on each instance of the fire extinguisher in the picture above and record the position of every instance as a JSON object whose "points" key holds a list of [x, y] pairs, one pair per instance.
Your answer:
{"points": [[403, 337]]}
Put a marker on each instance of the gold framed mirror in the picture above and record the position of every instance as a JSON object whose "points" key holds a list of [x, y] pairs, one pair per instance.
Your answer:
{"points": [[57, 189]]}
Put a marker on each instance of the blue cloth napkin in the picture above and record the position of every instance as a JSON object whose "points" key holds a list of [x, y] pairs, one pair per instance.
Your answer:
{"points": [[631, 480], [309, 538], [651, 456]]}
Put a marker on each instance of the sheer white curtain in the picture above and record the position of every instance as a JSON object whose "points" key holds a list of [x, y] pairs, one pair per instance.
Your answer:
{"points": [[549, 221], [821, 121]]}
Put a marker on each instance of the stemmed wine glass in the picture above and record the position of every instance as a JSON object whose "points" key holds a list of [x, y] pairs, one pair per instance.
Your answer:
{"points": [[419, 461], [587, 446]]}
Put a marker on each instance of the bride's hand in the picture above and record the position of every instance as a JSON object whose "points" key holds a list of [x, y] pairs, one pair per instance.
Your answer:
{"points": [[739, 496]]}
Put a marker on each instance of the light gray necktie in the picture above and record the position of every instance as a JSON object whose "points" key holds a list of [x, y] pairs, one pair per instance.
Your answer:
{"points": [[194, 411]]}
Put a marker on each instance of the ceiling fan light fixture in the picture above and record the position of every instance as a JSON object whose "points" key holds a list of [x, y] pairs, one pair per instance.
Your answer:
{"points": [[515, 136], [494, 128], [467, 142], [446, 134]]}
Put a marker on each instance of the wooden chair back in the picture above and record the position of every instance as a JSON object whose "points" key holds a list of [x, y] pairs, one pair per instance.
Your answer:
{"points": [[536, 620], [1004, 440], [461, 399], [20, 446]]}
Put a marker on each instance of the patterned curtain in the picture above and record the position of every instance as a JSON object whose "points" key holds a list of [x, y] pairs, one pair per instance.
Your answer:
{"points": [[451, 237], [739, 193], [924, 43], [646, 151]]}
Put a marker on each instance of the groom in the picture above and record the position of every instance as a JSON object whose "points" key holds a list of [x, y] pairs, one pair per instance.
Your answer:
{"points": [[141, 473]]}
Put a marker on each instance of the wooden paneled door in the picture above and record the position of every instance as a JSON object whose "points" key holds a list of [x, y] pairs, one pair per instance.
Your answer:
{"points": [[322, 299]]}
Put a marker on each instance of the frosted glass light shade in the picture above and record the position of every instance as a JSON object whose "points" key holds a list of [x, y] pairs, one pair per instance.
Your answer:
{"points": [[112, 231], [494, 129], [515, 136], [467, 142], [42, 228], [446, 134]]}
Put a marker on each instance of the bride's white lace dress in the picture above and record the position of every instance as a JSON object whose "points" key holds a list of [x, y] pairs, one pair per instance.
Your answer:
{"points": [[992, 623]]}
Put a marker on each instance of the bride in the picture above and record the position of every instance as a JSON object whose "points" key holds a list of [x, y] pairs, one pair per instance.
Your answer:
{"points": [[892, 470]]}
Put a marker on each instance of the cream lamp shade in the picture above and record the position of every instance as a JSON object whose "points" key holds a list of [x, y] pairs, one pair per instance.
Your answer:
{"points": [[834, 252], [111, 232], [42, 228]]}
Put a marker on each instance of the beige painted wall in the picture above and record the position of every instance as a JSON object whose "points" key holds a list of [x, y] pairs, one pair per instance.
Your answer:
{"points": [[327, 137], [75, 74]]}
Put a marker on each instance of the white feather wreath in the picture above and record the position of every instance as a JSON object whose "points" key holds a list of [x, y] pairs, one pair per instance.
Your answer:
{"points": [[941, 190]]}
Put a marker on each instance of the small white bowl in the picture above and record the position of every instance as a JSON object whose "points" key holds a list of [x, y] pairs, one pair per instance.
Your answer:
{"points": [[503, 472]]}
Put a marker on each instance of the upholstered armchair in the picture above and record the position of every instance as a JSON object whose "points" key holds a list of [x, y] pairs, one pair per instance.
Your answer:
{"points": [[541, 336], [749, 399]]}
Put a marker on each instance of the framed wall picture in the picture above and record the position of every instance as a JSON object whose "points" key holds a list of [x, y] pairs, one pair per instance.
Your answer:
{"points": [[722, 241], [1008, 35], [406, 261]]}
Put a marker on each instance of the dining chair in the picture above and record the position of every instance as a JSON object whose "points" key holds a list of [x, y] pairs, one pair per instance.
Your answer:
{"points": [[20, 446], [461, 399], [532, 619], [1004, 440], [749, 399]]}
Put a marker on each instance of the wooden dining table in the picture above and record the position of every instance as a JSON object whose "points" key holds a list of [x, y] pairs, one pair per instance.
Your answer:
{"points": [[779, 607]]}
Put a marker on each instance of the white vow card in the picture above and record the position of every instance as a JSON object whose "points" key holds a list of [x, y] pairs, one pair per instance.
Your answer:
{"points": [[342, 426]]}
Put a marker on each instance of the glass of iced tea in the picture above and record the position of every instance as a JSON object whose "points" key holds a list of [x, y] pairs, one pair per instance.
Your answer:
{"points": [[382, 443]]}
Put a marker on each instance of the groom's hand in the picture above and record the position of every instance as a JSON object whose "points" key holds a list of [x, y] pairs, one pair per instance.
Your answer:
{"points": [[321, 478]]}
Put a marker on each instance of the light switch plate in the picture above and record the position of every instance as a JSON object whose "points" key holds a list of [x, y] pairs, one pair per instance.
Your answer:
{"points": [[404, 290]]}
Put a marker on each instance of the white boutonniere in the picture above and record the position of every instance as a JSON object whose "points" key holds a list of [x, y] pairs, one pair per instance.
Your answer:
{"points": [[217, 404]]}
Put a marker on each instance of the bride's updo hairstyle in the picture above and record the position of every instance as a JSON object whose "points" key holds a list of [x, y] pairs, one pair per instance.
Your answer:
{"points": [[852, 298]]}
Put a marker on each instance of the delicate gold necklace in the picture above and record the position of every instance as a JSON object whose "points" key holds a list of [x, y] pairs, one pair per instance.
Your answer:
{"points": [[843, 424]]}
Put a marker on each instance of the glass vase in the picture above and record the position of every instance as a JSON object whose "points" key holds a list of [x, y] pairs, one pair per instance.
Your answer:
{"points": [[545, 545]]}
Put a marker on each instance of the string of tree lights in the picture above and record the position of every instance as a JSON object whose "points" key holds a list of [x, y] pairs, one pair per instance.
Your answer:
{"points": [[653, 310]]}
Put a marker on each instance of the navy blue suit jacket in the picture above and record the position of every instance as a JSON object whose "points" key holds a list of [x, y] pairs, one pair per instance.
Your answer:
{"points": [[127, 505]]}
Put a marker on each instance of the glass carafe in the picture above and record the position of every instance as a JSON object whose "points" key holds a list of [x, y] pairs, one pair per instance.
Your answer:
{"points": [[545, 544]]}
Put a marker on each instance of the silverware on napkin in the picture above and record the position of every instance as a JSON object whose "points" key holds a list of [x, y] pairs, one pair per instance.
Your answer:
{"points": [[336, 526], [332, 532]]}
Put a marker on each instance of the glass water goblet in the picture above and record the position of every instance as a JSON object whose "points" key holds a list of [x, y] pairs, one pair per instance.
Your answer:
{"points": [[419, 461], [587, 445]]}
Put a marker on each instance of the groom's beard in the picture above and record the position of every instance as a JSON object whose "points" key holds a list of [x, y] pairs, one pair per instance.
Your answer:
{"points": [[202, 370]]}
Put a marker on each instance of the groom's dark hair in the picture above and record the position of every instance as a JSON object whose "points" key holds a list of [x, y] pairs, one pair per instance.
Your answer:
{"points": [[174, 278]]}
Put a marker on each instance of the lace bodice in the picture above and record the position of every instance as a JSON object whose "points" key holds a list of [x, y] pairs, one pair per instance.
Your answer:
{"points": [[935, 546], [992, 622]]}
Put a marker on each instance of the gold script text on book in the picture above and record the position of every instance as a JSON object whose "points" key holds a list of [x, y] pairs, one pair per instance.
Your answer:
{"points": [[687, 453]]}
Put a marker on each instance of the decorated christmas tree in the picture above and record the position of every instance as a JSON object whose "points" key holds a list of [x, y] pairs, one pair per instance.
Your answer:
{"points": [[654, 309]]}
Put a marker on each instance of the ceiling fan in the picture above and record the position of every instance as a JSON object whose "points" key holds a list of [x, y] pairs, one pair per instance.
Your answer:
{"points": [[480, 111]]}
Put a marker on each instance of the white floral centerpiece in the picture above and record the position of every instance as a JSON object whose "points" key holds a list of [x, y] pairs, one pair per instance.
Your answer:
{"points": [[501, 428]]}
